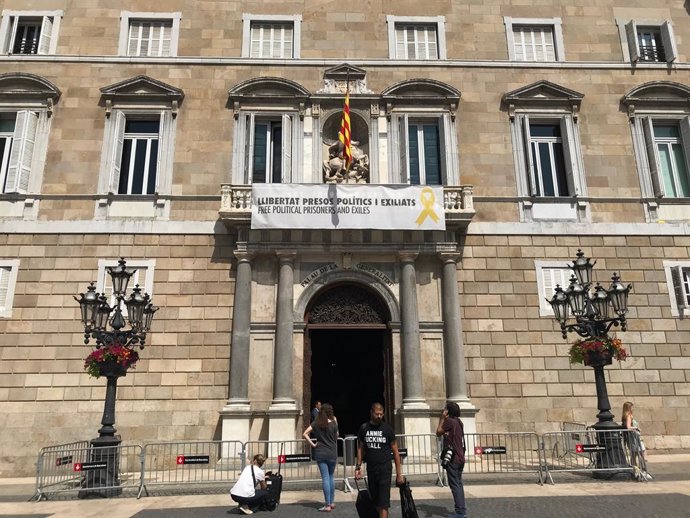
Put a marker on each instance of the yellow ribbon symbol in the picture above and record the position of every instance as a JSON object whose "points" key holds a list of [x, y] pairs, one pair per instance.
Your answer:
{"points": [[428, 198]]}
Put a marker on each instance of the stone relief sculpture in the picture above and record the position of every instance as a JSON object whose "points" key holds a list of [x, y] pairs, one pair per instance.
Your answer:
{"points": [[334, 170]]}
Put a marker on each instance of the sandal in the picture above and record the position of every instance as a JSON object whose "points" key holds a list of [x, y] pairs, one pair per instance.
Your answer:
{"points": [[325, 509]]}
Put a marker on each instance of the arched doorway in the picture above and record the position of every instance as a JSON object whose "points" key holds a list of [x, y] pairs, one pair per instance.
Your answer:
{"points": [[347, 359]]}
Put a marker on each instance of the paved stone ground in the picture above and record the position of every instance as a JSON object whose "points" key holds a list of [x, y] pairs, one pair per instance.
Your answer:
{"points": [[628, 506]]}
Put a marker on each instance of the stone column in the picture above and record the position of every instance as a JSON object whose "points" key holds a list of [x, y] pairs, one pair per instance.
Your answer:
{"points": [[236, 413], [283, 411], [282, 358], [454, 357], [409, 319]]}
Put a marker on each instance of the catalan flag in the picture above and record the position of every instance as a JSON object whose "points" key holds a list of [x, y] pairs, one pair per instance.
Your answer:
{"points": [[344, 133]]}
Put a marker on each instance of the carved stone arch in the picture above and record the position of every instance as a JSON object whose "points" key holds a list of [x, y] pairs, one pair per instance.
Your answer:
{"points": [[18, 86], [347, 304], [329, 280], [267, 89], [659, 95], [420, 90]]}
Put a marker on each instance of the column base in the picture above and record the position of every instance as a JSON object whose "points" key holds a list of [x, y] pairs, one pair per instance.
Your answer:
{"points": [[416, 418], [236, 418], [282, 425]]}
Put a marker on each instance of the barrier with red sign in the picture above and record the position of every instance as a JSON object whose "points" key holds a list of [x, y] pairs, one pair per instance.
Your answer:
{"points": [[191, 462], [496, 453], [600, 452], [79, 468]]}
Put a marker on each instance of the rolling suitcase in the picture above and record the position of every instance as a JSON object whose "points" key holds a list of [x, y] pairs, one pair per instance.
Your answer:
{"points": [[409, 509], [274, 485], [364, 504]]}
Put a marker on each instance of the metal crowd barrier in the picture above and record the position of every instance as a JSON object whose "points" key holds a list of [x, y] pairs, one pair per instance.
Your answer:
{"points": [[575, 433], [498, 453], [292, 457], [191, 462], [88, 471], [602, 453], [420, 455]]}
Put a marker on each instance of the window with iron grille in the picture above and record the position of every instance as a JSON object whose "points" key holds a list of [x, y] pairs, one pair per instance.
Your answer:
{"points": [[29, 32], [648, 42]]}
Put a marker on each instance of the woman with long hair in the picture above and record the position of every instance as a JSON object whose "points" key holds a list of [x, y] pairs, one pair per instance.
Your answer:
{"points": [[633, 440], [322, 435]]}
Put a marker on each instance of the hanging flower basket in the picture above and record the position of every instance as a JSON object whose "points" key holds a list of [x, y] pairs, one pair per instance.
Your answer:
{"points": [[110, 360], [596, 352]]}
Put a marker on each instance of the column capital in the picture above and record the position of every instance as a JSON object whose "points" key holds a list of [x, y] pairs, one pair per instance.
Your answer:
{"points": [[243, 256], [407, 257], [449, 257], [286, 256]]}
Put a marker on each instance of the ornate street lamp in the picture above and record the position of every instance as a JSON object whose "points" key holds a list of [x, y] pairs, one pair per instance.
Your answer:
{"points": [[591, 311], [117, 352]]}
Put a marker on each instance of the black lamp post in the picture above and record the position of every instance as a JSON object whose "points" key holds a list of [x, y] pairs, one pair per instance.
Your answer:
{"points": [[591, 310], [97, 316]]}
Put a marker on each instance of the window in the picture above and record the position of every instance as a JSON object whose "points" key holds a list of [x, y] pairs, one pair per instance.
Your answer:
{"points": [[143, 277], [271, 36], [137, 157], [29, 32], [548, 159], [424, 153], [678, 284], [149, 34], [422, 141], [659, 116], [648, 42], [418, 37], [17, 143], [269, 131], [549, 275], [534, 39], [8, 280]]}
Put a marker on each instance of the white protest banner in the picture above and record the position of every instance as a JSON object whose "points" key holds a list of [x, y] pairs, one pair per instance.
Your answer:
{"points": [[331, 206]]}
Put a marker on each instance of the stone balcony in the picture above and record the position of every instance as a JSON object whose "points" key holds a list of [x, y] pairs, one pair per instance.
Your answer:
{"points": [[236, 205]]}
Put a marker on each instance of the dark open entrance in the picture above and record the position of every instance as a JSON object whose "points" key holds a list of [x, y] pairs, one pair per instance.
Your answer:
{"points": [[348, 371], [347, 354]]}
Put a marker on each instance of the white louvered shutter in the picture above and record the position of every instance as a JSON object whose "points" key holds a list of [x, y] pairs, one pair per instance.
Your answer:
{"points": [[679, 287], [12, 34], [633, 43], [286, 169], [46, 35], [4, 286], [570, 157], [403, 125], [668, 40], [552, 277], [685, 140], [532, 181], [118, 140], [653, 157], [22, 153]]}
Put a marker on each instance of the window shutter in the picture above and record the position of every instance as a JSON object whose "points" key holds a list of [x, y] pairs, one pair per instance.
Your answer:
{"points": [[685, 141], [633, 43], [134, 36], [529, 158], [444, 157], [403, 124], [116, 151], [400, 43], [249, 147], [22, 153], [4, 286], [570, 157], [669, 42], [550, 278], [164, 142], [287, 148], [679, 287], [653, 157], [166, 39], [46, 34], [12, 34]]}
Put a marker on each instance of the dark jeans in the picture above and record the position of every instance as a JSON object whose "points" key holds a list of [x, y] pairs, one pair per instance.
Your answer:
{"points": [[251, 501], [454, 472]]}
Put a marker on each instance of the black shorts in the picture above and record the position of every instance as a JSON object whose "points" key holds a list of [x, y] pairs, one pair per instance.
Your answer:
{"points": [[379, 482]]}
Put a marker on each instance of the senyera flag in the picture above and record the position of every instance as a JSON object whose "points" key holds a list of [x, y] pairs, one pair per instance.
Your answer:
{"points": [[344, 133]]}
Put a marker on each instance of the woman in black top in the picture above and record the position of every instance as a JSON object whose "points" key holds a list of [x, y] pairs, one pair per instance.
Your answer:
{"points": [[324, 431]]}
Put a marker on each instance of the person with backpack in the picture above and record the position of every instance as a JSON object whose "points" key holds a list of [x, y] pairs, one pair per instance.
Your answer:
{"points": [[244, 491], [450, 427]]}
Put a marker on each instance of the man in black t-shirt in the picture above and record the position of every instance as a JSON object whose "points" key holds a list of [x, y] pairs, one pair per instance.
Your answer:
{"points": [[376, 443]]}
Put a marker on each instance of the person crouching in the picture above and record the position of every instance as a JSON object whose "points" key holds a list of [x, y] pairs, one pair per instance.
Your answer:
{"points": [[244, 492]]}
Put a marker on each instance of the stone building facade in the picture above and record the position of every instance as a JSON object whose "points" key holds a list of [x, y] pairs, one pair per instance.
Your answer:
{"points": [[138, 131]]}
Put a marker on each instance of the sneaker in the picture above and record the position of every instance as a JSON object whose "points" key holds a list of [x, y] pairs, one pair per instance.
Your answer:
{"points": [[245, 510], [648, 476], [325, 509]]}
